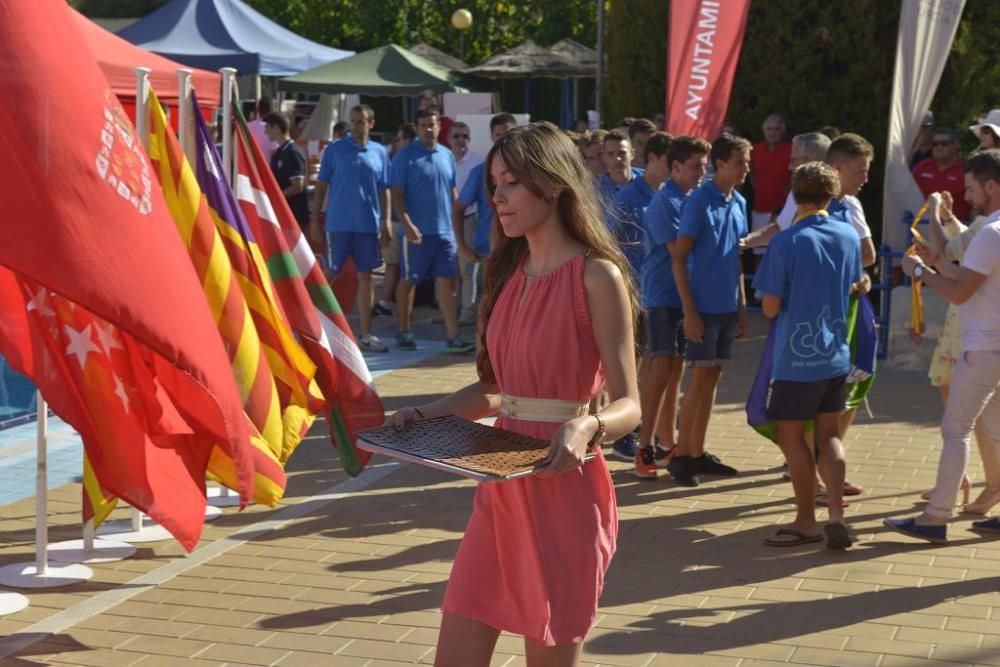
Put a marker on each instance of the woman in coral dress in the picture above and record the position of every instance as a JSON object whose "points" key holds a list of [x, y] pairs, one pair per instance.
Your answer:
{"points": [[556, 325]]}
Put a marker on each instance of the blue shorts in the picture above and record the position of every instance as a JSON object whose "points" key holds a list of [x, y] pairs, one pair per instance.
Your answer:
{"points": [[364, 248], [434, 257], [665, 332], [716, 346]]}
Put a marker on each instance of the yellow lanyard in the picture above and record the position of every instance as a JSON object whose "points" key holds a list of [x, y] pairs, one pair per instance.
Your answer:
{"points": [[802, 216]]}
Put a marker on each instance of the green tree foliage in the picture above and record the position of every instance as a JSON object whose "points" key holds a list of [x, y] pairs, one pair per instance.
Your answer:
{"points": [[497, 24], [816, 63], [636, 43]]}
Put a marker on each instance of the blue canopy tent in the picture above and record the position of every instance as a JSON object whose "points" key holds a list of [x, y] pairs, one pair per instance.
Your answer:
{"points": [[211, 34]]}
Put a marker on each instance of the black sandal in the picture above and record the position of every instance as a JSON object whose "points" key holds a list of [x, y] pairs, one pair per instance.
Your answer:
{"points": [[839, 536], [800, 538]]}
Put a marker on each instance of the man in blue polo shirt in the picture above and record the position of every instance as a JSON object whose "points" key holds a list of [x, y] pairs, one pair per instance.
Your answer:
{"points": [[474, 193], [356, 173], [807, 277], [713, 221], [617, 154], [623, 219], [688, 161], [423, 179]]}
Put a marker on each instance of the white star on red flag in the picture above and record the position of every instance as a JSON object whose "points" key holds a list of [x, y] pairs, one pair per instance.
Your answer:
{"points": [[106, 334], [81, 343]]}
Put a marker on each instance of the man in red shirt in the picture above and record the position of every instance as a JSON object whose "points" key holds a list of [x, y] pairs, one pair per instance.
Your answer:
{"points": [[769, 170], [943, 171]]}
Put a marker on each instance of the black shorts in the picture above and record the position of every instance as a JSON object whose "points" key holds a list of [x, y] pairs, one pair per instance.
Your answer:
{"points": [[801, 401]]}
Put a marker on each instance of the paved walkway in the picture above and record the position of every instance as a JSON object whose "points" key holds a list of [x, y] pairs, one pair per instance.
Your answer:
{"points": [[351, 572]]}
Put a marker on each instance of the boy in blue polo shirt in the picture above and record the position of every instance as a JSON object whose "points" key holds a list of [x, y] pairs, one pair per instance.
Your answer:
{"points": [[423, 178], [807, 277], [687, 158], [623, 218], [474, 193], [617, 154], [713, 221], [356, 173]]}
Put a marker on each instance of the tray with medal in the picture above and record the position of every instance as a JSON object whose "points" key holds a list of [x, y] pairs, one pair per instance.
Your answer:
{"points": [[461, 447]]}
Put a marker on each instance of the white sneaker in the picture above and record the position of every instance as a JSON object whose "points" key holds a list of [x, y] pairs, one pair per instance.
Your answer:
{"points": [[372, 344]]}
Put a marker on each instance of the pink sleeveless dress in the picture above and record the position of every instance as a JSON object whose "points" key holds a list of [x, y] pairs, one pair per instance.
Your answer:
{"points": [[535, 551]]}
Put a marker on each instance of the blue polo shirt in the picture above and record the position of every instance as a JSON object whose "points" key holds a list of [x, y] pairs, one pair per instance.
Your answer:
{"points": [[811, 267], [624, 220], [356, 174], [474, 193], [661, 222], [716, 224], [607, 189], [427, 178]]}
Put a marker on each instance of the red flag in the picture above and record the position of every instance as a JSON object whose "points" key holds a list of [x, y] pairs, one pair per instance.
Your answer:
{"points": [[99, 303], [342, 375], [705, 41]]}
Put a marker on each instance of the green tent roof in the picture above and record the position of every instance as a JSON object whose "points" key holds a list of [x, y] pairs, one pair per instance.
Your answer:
{"points": [[387, 70]]}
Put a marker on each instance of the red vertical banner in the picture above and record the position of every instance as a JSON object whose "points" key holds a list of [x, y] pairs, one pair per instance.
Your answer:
{"points": [[705, 41]]}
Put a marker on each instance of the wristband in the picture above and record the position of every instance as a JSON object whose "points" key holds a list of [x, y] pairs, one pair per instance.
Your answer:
{"points": [[598, 438]]}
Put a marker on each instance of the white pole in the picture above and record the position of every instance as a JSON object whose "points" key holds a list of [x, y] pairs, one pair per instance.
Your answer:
{"points": [[184, 124], [41, 490], [256, 88], [228, 77], [142, 103]]}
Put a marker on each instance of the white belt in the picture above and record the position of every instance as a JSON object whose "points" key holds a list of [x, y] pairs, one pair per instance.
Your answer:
{"points": [[541, 409]]}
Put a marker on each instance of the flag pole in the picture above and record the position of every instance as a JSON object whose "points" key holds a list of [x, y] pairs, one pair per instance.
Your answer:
{"points": [[42, 573], [228, 76], [220, 496], [138, 529], [184, 113]]}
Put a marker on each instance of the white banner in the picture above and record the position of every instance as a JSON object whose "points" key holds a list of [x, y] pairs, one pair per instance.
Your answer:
{"points": [[926, 31]]}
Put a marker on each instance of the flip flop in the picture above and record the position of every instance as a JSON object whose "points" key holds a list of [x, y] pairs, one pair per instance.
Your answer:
{"points": [[800, 538], [839, 536], [823, 500], [852, 489]]}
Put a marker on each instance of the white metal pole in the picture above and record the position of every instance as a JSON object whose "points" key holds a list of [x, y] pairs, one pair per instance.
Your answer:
{"points": [[184, 124], [228, 77], [142, 128], [142, 104], [41, 490], [256, 88]]}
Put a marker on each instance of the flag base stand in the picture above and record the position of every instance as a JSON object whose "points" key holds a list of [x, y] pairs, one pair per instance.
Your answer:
{"points": [[26, 575], [125, 531], [101, 551], [11, 603], [212, 513], [220, 496]]}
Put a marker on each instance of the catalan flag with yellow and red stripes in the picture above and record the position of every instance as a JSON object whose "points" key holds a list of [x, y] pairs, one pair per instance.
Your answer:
{"points": [[273, 432]]}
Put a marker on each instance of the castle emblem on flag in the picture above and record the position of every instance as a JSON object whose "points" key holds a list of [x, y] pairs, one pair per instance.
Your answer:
{"points": [[120, 161]]}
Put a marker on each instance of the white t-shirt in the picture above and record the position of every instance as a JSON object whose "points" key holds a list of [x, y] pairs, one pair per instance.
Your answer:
{"points": [[858, 217], [979, 317], [787, 215], [464, 166]]}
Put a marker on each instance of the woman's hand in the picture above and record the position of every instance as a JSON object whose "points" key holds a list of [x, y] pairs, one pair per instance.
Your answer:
{"points": [[402, 418], [569, 445]]}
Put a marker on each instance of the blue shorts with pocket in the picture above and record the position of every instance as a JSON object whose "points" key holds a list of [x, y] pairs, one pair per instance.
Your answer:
{"points": [[665, 332], [434, 257], [364, 248], [716, 346]]}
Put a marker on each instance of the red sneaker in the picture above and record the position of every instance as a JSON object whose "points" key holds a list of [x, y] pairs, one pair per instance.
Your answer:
{"points": [[645, 463]]}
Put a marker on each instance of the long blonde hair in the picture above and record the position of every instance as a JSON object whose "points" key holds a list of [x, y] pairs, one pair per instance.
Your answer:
{"points": [[544, 159]]}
